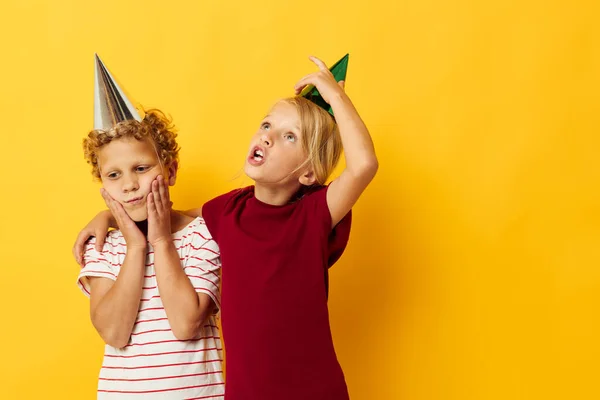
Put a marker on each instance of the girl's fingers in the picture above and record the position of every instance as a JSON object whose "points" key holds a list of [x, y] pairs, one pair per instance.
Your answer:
{"points": [[319, 63], [99, 240], [79, 245], [302, 82]]}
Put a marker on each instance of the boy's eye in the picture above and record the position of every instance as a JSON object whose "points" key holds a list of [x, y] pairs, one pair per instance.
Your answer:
{"points": [[112, 175], [265, 126], [142, 168], [290, 137]]}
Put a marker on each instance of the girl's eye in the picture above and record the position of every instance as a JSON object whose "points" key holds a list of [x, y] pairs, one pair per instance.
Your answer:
{"points": [[290, 137], [265, 126], [112, 175], [142, 169]]}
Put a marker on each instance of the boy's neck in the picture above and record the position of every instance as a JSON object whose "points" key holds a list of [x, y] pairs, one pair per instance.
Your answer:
{"points": [[142, 226], [178, 221]]}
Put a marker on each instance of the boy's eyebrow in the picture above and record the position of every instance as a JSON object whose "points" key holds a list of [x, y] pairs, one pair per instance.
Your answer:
{"points": [[107, 167]]}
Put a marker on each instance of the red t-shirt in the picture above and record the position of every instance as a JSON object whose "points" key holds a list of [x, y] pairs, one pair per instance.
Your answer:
{"points": [[274, 298]]}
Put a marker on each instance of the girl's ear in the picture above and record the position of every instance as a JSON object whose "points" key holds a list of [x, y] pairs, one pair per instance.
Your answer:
{"points": [[307, 178]]}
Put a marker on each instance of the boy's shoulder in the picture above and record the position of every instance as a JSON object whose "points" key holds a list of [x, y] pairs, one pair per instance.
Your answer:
{"points": [[195, 228], [195, 237]]}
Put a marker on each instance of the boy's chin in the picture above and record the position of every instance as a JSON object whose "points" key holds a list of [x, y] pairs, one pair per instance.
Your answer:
{"points": [[138, 215]]}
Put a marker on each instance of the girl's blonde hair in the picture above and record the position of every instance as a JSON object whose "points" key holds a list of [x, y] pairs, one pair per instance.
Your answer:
{"points": [[156, 126], [320, 137]]}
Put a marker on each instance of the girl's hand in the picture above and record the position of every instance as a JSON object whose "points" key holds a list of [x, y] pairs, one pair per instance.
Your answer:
{"points": [[323, 80], [159, 212], [97, 227], [132, 234]]}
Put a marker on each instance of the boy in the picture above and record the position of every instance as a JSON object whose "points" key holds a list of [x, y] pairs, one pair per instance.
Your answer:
{"points": [[155, 286]]}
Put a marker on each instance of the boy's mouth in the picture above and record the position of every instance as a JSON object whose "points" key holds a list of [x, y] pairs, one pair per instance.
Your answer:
{"points": [[135, 200]]}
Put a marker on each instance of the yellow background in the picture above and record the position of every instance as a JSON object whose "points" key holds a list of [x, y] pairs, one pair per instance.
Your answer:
{"points": [[473, 267]]}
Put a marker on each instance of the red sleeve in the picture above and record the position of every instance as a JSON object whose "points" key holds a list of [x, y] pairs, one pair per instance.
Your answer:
{"points": [[214, 210], [337, 238]]}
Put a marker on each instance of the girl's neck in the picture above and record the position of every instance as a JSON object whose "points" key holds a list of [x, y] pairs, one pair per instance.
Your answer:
{"points": [[275, 195]]}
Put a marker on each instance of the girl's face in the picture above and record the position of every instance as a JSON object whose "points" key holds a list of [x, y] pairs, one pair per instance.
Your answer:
{"points": [[276, 151], [127, 168]]}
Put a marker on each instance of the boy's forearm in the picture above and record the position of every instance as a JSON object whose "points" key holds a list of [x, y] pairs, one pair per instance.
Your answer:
{"points": [[116, 313], [183, 306]]}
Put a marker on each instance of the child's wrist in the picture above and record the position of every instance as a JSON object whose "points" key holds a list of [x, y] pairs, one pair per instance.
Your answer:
{"points": [[137, 248], [162, 243], [339, 99]]}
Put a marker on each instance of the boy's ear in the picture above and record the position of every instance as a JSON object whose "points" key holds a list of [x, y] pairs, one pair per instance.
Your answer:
{"points": [[307, 178], [172, 172]]}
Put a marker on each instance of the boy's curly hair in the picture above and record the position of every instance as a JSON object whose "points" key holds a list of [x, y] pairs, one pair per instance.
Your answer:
{"points": [[155, 125]]}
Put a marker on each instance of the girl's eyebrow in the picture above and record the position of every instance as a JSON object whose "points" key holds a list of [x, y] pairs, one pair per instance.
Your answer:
{"points": [[295, 126]]}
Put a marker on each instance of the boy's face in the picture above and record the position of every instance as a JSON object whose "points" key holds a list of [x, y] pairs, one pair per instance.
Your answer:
{"points": [[276, 149], [127, 168]]}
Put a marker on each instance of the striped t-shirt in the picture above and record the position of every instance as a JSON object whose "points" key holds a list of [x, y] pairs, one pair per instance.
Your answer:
{"points": [[154, 364]]}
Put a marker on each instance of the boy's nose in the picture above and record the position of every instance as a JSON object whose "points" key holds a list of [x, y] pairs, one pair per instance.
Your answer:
{"points": [[130, 185]]}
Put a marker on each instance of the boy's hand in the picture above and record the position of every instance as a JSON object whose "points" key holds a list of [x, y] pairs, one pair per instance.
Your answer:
{"points": [[323, 80], [132, 234], [97, 227], [159, 212]]}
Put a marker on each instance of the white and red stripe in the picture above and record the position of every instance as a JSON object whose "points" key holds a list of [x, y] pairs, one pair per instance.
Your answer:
{"points": [[154, 364]]}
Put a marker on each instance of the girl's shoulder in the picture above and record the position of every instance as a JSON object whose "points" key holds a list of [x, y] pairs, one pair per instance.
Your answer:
{"points": [[231, 197]]}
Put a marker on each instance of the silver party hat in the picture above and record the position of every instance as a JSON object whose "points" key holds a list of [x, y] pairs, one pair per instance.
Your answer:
{"points": [[111, 104]]}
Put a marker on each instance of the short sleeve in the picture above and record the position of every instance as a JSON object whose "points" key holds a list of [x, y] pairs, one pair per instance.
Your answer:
{"points": [[337, 238], [203, 263], [95, 265], [214, 210]]}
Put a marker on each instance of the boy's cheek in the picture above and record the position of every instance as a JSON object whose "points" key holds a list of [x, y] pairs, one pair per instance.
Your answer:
{"points": [[111, 192], [146, 186]]}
